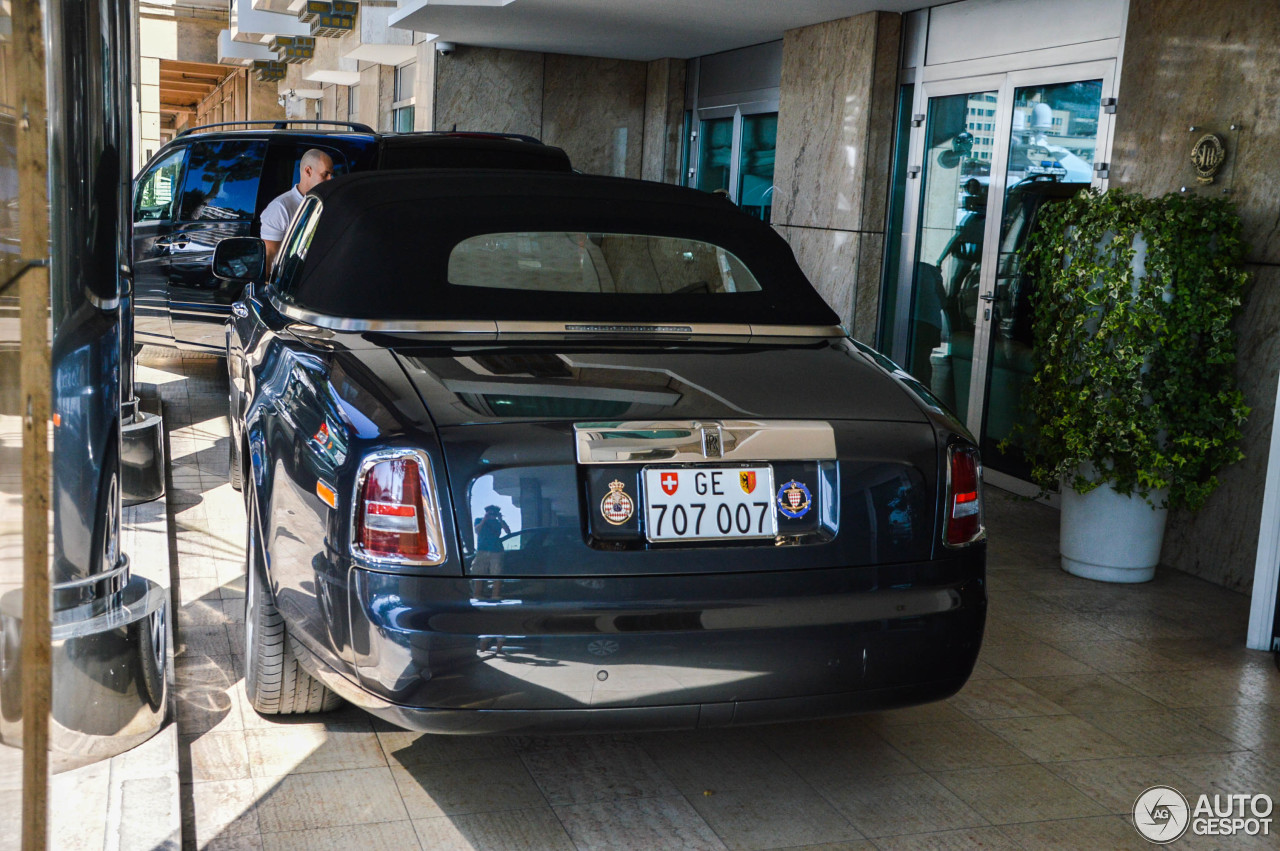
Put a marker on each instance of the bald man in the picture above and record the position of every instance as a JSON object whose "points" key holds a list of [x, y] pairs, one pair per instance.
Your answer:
{"points": [[315, 167]]}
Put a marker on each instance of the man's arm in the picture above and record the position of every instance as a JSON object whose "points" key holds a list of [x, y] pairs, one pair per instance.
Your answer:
{"points": [[273, 248], [275, 222]]}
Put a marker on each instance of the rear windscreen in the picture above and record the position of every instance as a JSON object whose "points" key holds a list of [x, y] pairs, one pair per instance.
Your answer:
{"points": [[567, 262]]}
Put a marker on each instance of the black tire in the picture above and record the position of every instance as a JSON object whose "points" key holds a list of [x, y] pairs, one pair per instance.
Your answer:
{"points": [[274, 681], [105, 552]]}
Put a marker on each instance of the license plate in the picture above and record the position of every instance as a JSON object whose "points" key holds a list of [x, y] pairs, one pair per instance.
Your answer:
{"points": [[709, 503]]}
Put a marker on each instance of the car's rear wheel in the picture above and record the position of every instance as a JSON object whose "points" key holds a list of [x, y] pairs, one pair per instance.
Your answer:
{"points": [[274, 681]]}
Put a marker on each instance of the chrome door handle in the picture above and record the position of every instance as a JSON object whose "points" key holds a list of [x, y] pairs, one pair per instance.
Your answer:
{"points": [[988, 296]]}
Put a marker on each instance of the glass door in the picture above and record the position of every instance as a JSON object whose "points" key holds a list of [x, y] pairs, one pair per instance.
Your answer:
{"points": [[735, 156], [965, 307]]}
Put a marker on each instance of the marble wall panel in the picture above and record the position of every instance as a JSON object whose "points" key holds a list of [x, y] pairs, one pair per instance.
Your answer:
{"points": [[1192, 62], [480, 88], [880, 125], [1195, 62], [866, 294], [829, 259], [595, 109], [664, 120], [1220, 542], [823, 118]]}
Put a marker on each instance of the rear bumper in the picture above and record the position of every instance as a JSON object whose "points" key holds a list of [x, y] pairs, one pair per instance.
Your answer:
{"points": [[448, 655]]}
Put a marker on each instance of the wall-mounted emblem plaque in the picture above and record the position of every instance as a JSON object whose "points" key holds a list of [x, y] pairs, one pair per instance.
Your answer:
{"points": [[1207, 155]]}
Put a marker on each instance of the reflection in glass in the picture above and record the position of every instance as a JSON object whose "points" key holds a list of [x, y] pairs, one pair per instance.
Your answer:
{"points": [[755, 164], [1051, 153], [953, 211], [552, 261], [715, 153], [222, 181]]}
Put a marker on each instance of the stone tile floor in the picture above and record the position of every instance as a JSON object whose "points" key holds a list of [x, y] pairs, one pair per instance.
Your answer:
{"points": [[1085, 695]]}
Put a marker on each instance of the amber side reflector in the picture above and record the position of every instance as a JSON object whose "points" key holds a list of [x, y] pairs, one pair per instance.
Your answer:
{"points": [[326, 494], [57, 420]]}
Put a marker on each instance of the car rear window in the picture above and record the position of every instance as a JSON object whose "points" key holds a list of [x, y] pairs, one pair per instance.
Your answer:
{"points": [[566, 261]]}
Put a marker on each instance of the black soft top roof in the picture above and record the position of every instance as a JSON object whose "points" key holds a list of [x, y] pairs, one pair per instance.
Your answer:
{"points": [[381, 248]]}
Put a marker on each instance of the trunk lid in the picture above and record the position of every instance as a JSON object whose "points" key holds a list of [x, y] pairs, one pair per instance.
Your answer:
{"points": [[532, 498]]}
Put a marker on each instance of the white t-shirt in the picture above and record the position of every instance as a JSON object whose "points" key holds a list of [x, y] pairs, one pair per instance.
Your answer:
{"points": [[279, 213]]}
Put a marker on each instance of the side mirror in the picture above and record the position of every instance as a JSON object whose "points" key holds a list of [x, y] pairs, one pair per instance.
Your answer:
{"points": [[239, 258]]}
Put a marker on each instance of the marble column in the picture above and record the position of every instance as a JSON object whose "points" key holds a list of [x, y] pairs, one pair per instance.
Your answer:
{"points": [[1199, 63], [835, 136], [664, 120]]}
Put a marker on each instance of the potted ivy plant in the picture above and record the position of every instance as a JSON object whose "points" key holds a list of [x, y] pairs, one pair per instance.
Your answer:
{"points": [[1133, 398]]}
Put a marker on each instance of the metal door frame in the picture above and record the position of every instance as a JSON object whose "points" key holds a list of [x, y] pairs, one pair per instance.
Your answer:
{"points": [[1004, 84]]}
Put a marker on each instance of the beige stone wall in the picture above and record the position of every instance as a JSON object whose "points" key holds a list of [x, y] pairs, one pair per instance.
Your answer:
{"points": [[664, 120], [488, 89], [595, 110], [367, 100], [424, 88], [1197, 63], [835, 126], [239, 98], [600, 111], [165, 32]]}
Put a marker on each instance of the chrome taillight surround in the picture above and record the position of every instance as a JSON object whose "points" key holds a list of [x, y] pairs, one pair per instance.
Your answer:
{"points": [[432, 518]]}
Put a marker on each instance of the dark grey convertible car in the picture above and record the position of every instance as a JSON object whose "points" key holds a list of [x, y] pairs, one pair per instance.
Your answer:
{"points": [[547, 451]]}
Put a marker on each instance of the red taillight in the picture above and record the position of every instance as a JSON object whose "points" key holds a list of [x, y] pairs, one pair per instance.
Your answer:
{"points": [[392, 517], [964, 497]]}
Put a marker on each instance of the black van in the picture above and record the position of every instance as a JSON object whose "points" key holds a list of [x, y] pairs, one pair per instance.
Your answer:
{"points": [[214, 182]]}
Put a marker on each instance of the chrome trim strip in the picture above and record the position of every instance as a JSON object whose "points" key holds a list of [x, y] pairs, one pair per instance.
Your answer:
{"points": [[431, 508], [520, 327], [798, 331], [682, 441]]}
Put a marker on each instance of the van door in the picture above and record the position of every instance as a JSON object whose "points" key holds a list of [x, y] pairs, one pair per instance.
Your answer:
{"points": [[218, 198], [154, 202]]}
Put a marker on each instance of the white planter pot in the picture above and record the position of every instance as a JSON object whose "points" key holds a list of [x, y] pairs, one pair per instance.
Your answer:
{"points": [[1109, 537]]}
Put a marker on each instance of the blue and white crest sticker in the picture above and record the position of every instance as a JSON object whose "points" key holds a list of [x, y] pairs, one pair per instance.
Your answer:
{"points": [[794, 500]]}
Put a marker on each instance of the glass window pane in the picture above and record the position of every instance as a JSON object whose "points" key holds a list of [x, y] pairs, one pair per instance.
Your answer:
{"points": [[157, 189], [403, 120], [222, 181], [597, 263], [404, 81], [953, 213], [1052, 145], [755, 166], [897, 203], [715, 151]]}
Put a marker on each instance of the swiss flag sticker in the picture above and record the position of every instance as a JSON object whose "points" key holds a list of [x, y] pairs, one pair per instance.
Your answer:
{"points": [[670, 483]]}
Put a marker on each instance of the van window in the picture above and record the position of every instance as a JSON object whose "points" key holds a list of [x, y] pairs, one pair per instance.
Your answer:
{"points": [[222, 181], [157, 189]]}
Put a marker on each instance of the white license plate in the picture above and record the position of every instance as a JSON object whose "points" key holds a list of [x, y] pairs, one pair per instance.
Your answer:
{"points": [[709, 503]]}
